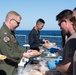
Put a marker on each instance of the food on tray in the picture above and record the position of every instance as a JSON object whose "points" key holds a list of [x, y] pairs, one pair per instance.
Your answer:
{"points": [[36, 52], [50, 60], [2, 57], [49, 45], [35, 72]]}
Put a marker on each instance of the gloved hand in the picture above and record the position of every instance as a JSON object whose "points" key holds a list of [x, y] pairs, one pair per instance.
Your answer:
{"points": [[58, 60], [53, 50], [51, 65], [60, 57]]}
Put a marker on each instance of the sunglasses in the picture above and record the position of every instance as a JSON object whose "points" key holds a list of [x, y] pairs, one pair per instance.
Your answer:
{"points": [[16, 21], [61, 22]]}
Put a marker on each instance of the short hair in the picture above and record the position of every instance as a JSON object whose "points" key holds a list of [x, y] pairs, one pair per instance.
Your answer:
{"points": [[40, 20], [12, 14], [65, 14], [73, 19], [74, 9]]}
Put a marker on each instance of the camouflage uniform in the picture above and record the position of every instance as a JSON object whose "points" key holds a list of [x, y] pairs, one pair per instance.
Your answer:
{"points": [[11, 48]]}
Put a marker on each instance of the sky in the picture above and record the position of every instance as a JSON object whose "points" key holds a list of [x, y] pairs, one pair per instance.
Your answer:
{"points": [[32, 10]]}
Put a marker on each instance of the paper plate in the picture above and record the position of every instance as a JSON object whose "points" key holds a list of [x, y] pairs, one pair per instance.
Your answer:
{"points": [[2, 57], [36, 56], [54, 55]]}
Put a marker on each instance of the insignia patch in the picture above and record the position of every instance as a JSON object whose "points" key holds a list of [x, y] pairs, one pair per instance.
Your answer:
{"points": [[6, 39]]}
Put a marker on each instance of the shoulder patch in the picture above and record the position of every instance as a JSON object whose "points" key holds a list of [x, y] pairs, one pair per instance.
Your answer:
{"points": [[6, 39]]}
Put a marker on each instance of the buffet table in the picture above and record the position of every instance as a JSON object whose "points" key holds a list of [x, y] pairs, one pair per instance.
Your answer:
{"points": [[40, 67]]}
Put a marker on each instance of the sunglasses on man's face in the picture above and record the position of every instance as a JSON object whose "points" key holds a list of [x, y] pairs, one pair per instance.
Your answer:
{"points": [[61, 22], [16, 21]]}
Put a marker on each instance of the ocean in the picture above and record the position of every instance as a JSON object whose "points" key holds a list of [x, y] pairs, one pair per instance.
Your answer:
{"points": [[51, 35]]}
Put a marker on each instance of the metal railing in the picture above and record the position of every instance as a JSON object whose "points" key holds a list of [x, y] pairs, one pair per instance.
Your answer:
{"points": [[23, 39]]}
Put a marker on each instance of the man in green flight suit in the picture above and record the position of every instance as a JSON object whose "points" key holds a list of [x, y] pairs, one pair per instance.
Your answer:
{"points": [[9, 45]]}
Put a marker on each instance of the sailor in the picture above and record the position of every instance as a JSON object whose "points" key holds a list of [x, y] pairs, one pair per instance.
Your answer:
{"points": [[9, 45]]}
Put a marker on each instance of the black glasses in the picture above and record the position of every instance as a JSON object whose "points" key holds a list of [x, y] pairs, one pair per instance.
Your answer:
{"points": [[61, 22], [16, 21]]}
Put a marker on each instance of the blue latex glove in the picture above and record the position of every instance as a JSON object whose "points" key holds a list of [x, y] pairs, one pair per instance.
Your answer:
{"points": [[53, 50], [58, 60], [60, 57], [51, 65]]}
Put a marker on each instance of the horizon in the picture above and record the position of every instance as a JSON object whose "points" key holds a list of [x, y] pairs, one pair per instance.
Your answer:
{"points": [[35, 9]]}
